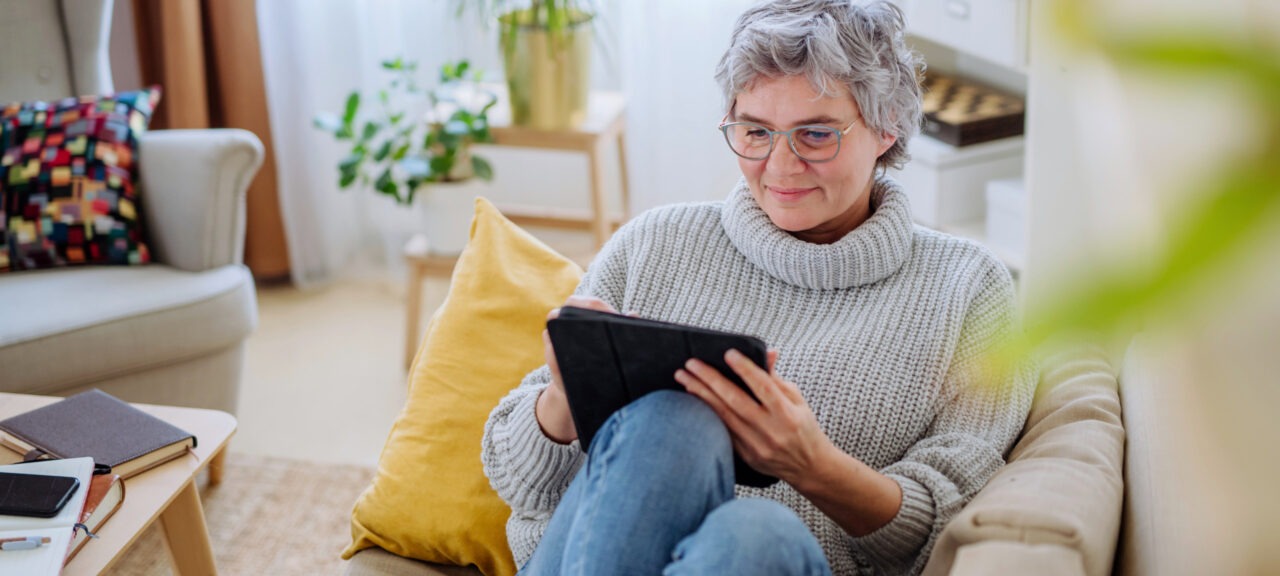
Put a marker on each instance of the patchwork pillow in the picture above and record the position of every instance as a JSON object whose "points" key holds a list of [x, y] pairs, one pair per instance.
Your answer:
{"points": [[68, 181], [430, 499]]}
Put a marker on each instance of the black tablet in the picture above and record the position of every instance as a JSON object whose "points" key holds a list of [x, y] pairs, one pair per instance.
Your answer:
{"points": [[609, 360]]}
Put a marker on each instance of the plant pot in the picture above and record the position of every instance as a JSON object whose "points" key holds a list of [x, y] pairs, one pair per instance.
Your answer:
{"points": [[445, 209], [547, 72]]}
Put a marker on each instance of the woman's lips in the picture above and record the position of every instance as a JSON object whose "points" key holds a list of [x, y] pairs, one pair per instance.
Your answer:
{"points": [[789, 194]]}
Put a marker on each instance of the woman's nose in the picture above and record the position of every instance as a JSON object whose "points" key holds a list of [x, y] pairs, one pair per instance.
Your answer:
{"points": [[783, 160]]}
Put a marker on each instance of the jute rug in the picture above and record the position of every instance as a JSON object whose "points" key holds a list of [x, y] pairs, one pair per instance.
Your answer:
{"points": [[268, 516]]}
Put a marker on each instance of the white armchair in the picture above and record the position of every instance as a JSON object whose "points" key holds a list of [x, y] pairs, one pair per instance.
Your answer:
{"points": [[170, 332]]}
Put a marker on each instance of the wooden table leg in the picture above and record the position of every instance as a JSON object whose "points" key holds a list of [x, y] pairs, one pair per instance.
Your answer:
{"points": [[599, 208], [187, 534], [622, 170], [414, 304], [215, 467]]}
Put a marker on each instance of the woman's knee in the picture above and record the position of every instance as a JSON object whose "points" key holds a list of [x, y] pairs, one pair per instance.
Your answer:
{"points": [[678, 418], [751, 522], [750, 536]]}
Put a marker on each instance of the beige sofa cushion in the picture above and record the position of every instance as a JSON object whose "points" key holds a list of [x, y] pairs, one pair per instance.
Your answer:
{"points": [[67, 327], [379, 562], [1063, 484]]}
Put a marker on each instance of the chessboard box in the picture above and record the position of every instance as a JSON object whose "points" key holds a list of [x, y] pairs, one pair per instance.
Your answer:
{"points": [[946, 185], [961, 111]]}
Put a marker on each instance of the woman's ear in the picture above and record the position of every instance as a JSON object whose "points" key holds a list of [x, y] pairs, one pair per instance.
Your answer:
{"points": [[886, 142]]}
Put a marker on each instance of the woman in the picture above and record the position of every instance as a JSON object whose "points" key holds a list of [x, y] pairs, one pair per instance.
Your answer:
{"points": [[877, 412]]}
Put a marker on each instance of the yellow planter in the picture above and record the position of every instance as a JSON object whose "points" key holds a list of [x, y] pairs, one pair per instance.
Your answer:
{"points": [[547, 71]]}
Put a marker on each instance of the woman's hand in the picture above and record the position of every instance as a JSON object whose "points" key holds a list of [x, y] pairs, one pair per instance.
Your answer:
{"points": [[778, 436], [552, 410]]}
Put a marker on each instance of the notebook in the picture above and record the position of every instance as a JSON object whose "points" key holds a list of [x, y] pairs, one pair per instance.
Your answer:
{"points": [[609, 360], [98, 425], [106, 495], [46, 559]]}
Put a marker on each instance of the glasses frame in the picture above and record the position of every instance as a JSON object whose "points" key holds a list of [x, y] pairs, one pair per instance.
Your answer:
{"points": [[725, 125]]}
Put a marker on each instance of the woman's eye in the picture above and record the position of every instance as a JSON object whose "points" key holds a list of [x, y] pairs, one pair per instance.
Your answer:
{"points": [[757, 133], [817, 136]]}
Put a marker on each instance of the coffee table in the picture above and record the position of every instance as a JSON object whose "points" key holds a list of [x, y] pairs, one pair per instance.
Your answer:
{"points": [[167, 492]]}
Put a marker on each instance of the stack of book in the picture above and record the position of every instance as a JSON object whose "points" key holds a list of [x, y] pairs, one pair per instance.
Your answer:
{"points": [[96, 438]]}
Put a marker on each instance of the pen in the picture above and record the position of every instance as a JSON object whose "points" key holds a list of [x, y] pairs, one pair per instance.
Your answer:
{"points": [[24, 543]]}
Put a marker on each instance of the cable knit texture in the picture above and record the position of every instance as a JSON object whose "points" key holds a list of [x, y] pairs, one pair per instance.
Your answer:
{"points": [[883, 331]]}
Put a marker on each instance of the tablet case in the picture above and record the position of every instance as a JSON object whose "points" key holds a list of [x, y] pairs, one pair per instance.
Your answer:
{"points": [[609, 360]]}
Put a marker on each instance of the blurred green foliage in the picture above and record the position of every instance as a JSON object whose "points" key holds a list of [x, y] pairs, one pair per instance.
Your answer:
{"points": [[1239, 201], [396, 151]]}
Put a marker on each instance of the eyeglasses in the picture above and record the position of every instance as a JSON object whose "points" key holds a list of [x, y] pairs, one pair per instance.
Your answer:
{"points": [[811, 143]]}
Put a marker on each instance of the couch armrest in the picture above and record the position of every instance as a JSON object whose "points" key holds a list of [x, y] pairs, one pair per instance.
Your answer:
{"points": [[1003, 557], [193, 189], [1064, 483]]}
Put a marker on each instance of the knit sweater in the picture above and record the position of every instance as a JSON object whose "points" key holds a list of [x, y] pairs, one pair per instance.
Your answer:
{"points": [[882, 331]]}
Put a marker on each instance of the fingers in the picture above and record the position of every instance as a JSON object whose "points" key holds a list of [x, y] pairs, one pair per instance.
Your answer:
{"points": [[729, 394], [549, 352], [760, 382], [773, 360], [739, 427], [590, 302]]}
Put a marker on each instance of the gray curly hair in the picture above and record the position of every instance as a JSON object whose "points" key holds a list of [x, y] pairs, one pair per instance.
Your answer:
{"points": [[860, 47]]}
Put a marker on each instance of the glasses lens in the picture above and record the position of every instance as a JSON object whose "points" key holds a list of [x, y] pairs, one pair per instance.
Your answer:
{"points": [[750, 141], [816, 143]]}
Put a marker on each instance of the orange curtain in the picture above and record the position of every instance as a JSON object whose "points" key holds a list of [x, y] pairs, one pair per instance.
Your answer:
{"points": [[205, 56]]}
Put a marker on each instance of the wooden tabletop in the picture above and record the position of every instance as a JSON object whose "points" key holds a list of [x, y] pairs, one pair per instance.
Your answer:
{"points": [[148, 493], [605, 114]]}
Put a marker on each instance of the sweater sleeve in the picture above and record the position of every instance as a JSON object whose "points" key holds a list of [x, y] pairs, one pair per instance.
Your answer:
{"points": [[528, 470], [982, 412]]}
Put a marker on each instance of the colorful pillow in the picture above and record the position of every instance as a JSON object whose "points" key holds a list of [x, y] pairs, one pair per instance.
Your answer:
{"points": [[430, 499], [68, 181]]}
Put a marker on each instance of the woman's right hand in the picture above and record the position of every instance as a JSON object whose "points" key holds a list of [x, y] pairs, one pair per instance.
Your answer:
{"points": [[552, 409]]}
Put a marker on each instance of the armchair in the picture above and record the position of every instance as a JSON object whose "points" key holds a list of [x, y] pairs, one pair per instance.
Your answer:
{"points": [[170, 332]]}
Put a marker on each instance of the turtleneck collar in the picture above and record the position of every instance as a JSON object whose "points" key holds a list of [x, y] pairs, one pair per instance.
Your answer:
{"points": [[871, 252]]}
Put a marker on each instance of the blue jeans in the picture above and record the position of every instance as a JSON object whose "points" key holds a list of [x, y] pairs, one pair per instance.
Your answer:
{"points": [[655, 496]]}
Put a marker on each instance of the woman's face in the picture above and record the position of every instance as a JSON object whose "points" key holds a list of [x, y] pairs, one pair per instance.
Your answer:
{"points": [[815, 202]]}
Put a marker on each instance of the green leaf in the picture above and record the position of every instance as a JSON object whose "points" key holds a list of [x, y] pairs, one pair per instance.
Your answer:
{"points": [[370, 130], [383, 151], [349, 112], [387, 185], [397, 64], [441, 165], [346, 178], [396, 118], [482, 168], [400, 152], [384, 97]]}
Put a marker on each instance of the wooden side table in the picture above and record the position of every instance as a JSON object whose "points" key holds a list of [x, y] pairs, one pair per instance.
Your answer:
{"points": [[166, 492], [605, 124]]}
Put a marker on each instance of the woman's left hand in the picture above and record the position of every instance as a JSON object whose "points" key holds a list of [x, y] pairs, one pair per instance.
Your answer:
{"points": [[779, 435]]}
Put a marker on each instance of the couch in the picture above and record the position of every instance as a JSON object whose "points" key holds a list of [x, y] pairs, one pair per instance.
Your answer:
{"points": [[1055, 508], [169, 332]]}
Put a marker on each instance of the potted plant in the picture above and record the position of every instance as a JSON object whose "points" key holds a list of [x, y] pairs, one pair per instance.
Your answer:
{"points": [[546, 49], [415, 139]]}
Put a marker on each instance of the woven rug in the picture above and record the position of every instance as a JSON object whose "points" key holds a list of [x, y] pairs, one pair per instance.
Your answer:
{"points": [[269, 516]]}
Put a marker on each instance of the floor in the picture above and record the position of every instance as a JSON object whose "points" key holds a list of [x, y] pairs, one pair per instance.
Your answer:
{"points": [[324, 374]]}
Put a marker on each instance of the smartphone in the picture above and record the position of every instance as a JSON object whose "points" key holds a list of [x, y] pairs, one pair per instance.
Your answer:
{"points": [[39, 495]]}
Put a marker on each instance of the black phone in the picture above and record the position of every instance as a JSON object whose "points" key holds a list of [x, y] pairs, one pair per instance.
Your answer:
{"points": [[39, 495]]}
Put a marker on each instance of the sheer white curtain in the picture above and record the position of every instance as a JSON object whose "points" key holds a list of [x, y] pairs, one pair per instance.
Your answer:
{"points": [[661, 53]]}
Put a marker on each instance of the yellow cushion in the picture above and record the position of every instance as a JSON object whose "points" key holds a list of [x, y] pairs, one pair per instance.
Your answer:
{"points": [[430, 499]]}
